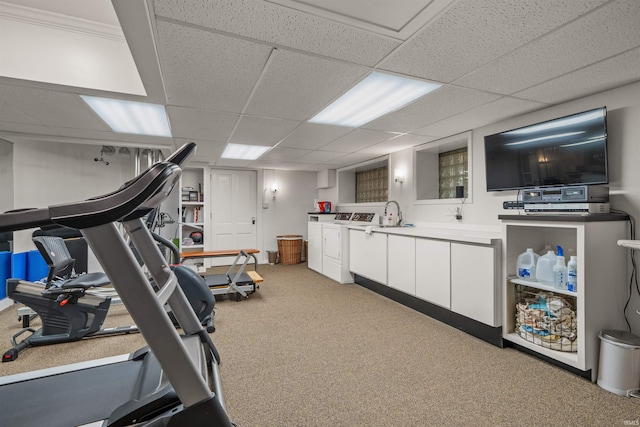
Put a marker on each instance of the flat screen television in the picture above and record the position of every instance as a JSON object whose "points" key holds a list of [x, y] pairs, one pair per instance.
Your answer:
{"points": [[569, 150]]}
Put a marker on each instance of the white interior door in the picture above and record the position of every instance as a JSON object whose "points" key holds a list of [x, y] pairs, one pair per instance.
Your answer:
{"points": [[233, 211]]}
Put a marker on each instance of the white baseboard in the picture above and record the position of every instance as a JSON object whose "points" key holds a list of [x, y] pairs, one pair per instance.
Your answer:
{"points": [[5, 303]]}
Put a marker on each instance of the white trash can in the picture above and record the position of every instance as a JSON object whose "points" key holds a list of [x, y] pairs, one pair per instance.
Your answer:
{"points": [[619, 365]]}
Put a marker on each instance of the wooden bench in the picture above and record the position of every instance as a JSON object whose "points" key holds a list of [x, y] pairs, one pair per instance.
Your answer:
{"points": [[216, 254], [234, 281]]}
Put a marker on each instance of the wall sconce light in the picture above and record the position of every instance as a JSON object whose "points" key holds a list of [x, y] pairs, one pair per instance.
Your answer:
{"points": [[399, 175], [274, 189]]}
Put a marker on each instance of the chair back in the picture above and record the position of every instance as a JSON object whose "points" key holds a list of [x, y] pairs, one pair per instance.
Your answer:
{"points": [[57, 256]]}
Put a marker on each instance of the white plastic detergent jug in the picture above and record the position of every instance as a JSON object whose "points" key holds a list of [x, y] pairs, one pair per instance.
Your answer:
{"points": [[526, 267], [544, 268], [560, 271], [572, 274]]}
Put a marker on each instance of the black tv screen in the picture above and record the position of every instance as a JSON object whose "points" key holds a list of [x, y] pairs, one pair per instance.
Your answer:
{"points": [[569, 150]]}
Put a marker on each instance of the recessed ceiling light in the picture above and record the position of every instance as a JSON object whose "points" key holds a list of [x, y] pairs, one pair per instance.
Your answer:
{"points": [[130, 116], [373, 97], [244, 152]]}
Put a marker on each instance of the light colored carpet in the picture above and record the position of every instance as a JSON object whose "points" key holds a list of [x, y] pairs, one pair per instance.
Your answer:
{"points": [[306, 351]]}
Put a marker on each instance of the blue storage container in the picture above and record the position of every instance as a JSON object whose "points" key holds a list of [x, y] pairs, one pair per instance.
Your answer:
{"points": [[5, 272], [37, 268]]}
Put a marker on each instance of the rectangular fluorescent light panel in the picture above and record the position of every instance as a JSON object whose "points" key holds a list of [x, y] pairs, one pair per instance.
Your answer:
{"points": [[131, 117], [244, 152], [373, 97]]}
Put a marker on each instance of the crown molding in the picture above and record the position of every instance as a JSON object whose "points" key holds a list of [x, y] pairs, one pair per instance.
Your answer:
{"points": [[43, 18]]}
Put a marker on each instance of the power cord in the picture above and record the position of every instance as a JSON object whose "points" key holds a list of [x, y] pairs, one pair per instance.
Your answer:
{"points": [[634, 268]]}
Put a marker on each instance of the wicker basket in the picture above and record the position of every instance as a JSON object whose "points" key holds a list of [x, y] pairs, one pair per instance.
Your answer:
{"points": [[546, 318], [290, 248]]}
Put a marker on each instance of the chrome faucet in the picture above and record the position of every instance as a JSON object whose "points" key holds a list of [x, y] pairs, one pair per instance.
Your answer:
{"points": [[399, 218]]}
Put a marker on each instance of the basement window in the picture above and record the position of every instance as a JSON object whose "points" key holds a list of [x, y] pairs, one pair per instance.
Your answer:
{"points": [[441, 166], [452, 172], [372, 185], [367, 182]]}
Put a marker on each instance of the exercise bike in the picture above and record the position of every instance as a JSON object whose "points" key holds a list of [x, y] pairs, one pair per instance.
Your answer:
{"points": [[72, 307]]}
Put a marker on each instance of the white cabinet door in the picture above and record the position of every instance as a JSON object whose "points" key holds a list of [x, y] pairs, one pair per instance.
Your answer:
{"points": [[368, 255], [433, 271], [402, 263], [314, 260], [473, 283]]}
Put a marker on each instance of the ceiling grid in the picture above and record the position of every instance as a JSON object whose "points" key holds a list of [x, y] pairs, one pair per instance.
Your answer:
{"points": [[254, 71]]}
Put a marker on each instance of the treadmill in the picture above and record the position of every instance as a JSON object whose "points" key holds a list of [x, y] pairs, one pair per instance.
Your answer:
{"points": [[175, 380]]}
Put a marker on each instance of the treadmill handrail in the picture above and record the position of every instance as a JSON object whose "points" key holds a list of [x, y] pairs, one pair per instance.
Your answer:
{"points": [[139, 194], [169, 286], [182, 154], [179, 157], [22, 219]]}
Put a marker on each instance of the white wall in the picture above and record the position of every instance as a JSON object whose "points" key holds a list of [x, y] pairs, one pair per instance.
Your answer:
{"points": [[52, 173], [46, 174], [288, 213], [623, 119]]}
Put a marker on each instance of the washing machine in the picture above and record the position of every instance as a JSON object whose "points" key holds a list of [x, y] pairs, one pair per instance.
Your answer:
{"points": [[335, 248], [314, 236]]}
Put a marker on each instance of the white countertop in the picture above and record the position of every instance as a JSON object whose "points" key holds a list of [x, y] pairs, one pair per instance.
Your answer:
{"points": [[482, 237]]}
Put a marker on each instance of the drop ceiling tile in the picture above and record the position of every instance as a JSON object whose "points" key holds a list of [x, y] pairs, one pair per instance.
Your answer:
{"points": [[281, 26], [570, 48], [82, 136], [204, 148], [385, 18], [8, 128], [262, 130], [313, 135], [480, 116], [288, 166], [357, 140], [206, 70], [351, 159], [380, 17], [440, 104], [10, 114], [201, 124], [319, 156], [470, 35], [297, 86], [51, 108], [620, 70], [312, 167], [232, 163], [283, 154], [401, 142]]}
